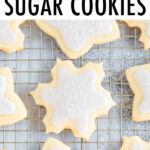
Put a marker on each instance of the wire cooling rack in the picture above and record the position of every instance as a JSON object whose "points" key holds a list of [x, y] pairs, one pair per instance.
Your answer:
{"points": [[33, 65]]}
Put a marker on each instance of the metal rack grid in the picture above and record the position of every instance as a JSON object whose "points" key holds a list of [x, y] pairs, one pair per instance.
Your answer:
{"points": [[33, 65]]}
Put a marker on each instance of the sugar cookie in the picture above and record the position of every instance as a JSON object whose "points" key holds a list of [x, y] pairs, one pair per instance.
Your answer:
{"points": [[11, 37], [74, 98], [53, 144], [144, 26], [12, 109], [134, 143], [139, 81], [75, 38]]}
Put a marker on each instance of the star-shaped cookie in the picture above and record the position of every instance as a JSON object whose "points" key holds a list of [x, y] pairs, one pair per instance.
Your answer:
{"points": [[12, 109], [144, 26], [11, 37], [53, 144], [75, 38], [74, 98], [134, 143], [139, 81]]}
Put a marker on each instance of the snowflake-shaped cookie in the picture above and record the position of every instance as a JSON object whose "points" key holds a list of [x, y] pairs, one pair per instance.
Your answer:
{"points": [[139, 81], [134, 143], [74, 98], [75, 38], [12, 109], [11, 37], [53, 144], [144, 26]]}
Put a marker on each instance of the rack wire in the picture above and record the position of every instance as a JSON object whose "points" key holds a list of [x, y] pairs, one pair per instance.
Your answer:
{"points": [[33, 65]]}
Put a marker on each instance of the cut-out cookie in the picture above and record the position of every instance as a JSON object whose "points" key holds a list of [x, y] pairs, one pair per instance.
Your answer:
{"points": [[11, 37], [12, 109], [74, 98], [53, 144], [134, 143], [139, 81], [144, 25], [75, 38]]}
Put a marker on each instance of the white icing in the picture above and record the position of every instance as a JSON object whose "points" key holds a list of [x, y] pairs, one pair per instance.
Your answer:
{"points": [[6, 33], [143, 78], [137, 147], [6, 106], [74, 98], [55, 148], [77, 33]]}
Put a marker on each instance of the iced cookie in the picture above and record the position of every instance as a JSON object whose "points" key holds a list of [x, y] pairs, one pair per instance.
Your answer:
{"points": [[134, 143], [53, 144], [75, 38], [11, 37], [74, 98], [144, 25], [12, 109], [139, 81]]}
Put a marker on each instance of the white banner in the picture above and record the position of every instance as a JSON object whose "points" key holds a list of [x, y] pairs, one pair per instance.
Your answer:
{"points": [[75, 9]]}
